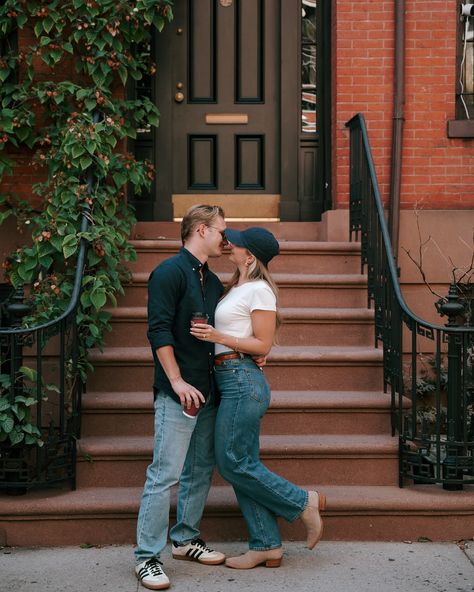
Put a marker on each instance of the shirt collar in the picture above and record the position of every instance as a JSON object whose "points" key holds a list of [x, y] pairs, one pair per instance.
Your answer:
{"points": [[194, 261]]}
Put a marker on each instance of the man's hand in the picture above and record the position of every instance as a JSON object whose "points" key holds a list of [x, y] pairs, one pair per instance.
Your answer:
{"points": [[187, 393]]}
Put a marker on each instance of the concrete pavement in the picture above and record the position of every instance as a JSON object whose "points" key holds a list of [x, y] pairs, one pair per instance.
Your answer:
{"points": [[331, 567]]}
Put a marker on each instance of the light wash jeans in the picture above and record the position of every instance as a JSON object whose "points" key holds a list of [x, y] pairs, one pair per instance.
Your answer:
{"points": [[184, 452], [262, 495]]}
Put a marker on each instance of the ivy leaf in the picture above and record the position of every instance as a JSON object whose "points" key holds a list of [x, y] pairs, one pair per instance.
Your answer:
{"points": [[57, 243], [46, 261], [19, 412], [98, 298], [4, 74], [15, 279], [45, 40], [29, 373], [24, 273], [4, 215], [53, 388], [48, 24], [7, 425], [70, 244], [123, 75], [120, 179], [85, 162], [16, 437], [21, 20], [77, 150], [4, 404], [90, 104], [38, 27], [159, 22], [154, 119]]}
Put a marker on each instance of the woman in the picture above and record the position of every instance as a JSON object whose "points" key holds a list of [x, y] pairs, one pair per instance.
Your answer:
{"points": [[246, 321]]}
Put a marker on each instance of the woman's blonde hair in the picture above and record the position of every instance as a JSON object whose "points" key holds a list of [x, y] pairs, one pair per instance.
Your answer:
{"points": [[196, 215], [258, 271]]}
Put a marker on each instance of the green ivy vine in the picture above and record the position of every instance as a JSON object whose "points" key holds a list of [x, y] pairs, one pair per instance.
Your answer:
{"points": [[75, 59]]}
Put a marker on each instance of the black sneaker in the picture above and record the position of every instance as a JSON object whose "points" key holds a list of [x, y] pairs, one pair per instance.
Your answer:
{"points": [[198, 551], [151, 575]]}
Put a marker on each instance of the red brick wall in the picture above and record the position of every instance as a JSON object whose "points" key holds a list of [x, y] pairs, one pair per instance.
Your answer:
{"points": [[437, 172]]}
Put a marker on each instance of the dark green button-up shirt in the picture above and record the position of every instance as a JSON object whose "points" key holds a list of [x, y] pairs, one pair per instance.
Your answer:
{"points": [[175, 292]]}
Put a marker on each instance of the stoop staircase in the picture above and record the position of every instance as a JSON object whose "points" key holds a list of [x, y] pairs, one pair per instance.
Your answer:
{"points": [[328, 426]]}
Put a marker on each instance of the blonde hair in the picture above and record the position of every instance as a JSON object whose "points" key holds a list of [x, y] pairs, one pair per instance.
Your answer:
{"points": [[258, 271], [196, 215]]}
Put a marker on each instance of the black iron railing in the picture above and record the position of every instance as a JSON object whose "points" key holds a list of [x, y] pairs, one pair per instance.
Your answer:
{"points": [[40, 365], [428, 368]]}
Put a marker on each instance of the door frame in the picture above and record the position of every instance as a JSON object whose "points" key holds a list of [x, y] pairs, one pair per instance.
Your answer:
{"points": [[293, 205]]}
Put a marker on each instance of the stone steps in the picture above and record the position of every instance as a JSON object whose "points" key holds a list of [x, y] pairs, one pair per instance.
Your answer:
{"points": [[295, 289], [288, 367], [328, 426], [284, 231], [291, 412], [318, 326], [298, 256], [331, 459], [102, 515]]}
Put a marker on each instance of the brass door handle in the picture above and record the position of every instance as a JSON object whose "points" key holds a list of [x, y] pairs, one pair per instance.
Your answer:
{"points": [[179, 97]]}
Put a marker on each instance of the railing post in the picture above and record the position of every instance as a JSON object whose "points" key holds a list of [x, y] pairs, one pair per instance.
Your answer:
{"points": [[17, 309], [452, 308]]}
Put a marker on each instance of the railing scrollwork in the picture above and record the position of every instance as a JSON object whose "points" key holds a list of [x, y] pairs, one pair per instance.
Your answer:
{"points": [[428, 368]]}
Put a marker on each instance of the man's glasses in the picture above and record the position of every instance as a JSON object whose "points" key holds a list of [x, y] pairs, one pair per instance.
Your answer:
{"points": [[221, 232]]}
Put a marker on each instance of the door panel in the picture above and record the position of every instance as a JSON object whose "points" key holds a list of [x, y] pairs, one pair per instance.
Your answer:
{"points": [[227, 57], [229, 89]]}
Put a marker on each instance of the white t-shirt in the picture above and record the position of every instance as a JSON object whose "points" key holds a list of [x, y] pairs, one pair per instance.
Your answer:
{"points": [[233, 312]]}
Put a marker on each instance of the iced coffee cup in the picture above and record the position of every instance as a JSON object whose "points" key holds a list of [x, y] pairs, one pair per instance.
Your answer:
{"points": [[196, 318], [191, 411], [199, 317]]}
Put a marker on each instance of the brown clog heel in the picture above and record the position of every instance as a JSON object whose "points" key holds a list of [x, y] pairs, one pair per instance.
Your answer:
{"points": [[312, 519], [251, 559]]}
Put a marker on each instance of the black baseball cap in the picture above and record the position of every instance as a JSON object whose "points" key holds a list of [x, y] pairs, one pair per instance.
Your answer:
{"points": [[259, 241]]}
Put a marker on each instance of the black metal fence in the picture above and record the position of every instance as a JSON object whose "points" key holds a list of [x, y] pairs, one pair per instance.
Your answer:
{"points": [[428, 368], [40, 390]]}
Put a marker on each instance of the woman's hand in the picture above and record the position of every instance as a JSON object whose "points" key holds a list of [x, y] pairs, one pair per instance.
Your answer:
{"points": [[204, 332]]}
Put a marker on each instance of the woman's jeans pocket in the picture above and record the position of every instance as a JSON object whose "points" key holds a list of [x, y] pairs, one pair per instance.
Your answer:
{"points": [[242, 379]]}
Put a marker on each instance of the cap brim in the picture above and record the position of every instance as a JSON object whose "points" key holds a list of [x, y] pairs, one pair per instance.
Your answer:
{"points": [[235, 237]]}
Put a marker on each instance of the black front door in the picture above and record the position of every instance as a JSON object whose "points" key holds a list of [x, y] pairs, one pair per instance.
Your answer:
{"points": [[236, 88]]}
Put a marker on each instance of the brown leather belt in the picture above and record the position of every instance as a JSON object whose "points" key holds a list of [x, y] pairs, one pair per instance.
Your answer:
{"points": [[221, 358]]}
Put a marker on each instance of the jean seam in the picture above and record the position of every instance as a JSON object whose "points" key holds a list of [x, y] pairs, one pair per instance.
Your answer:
{"points": [[260, 524], [155, 480], [193, 454]]}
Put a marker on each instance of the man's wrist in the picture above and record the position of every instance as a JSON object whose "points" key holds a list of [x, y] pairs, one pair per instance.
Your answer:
{"points": [[175, 378]]}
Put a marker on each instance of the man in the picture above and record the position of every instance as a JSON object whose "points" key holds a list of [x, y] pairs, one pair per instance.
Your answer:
{"points": [[183, 446]]}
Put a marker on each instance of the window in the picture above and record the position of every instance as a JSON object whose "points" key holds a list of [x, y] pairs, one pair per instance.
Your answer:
{"points": [[308, 66], [463, 125], [466, 66], [143, 145]]}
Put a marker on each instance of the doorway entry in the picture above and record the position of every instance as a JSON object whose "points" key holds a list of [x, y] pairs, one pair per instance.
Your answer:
{"points": [[240, 95]]}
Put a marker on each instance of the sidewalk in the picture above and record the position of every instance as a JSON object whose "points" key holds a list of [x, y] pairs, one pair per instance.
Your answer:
{"points": [[332, 567]]}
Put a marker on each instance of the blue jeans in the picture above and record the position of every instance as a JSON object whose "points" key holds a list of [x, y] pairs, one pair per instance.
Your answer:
{"points": [[184, 452], [262, 495]]}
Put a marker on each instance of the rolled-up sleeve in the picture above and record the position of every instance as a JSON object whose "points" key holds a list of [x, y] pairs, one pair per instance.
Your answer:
{"points": [[164, 286]]}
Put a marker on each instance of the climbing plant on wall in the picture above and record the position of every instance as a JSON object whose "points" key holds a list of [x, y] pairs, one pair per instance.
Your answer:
{"points": [[62, 62]]}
